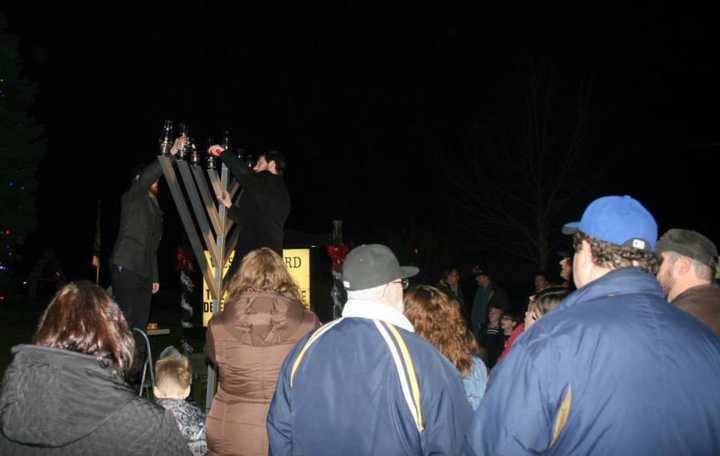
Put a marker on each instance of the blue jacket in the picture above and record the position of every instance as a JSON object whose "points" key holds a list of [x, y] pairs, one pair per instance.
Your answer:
{"points": [[476, 382], [343, 395], [614, 369]]}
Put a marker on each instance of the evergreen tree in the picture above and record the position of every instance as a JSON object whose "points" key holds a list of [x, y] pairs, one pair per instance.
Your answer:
{"points": [[22, 145]]}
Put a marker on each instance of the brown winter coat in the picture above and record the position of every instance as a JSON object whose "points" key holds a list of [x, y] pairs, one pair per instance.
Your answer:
{"points": [[703, 302], [248, 343]]}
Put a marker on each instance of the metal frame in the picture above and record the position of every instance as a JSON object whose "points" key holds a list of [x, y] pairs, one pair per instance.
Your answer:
{"points": [[147, 365], [208, 229]]}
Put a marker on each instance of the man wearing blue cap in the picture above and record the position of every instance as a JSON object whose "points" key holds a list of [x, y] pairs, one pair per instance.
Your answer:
{"points": [[614, 369]]}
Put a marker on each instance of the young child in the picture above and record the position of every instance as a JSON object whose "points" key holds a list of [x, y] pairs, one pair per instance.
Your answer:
{"points": [[512, 328], [543, 303], [508, 322], [173, 378], [494, 340]]}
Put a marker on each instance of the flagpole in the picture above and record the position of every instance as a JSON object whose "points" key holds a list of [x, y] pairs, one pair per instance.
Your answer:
{"points": [[96, 244]]}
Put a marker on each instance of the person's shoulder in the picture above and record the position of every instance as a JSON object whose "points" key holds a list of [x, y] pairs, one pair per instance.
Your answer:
{"points": [[309, 321], [194, 408], [144, 411], [479, 369], [217, 320], [423, 350], [584, 322], [352, 333], [706, 294], [345, 330]]}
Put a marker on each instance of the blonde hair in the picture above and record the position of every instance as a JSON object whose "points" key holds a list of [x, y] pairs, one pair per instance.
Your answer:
{"points": [[173, 372], [264, 270]]}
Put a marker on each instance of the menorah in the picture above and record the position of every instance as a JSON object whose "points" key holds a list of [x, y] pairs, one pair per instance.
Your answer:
{"points": [[207, 226]]}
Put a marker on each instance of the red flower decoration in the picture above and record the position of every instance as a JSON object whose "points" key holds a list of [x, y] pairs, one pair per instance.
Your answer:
{"points": [[184, 260], [337, 253]]}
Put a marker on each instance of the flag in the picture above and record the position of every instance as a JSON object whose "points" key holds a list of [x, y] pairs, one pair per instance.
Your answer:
{"points": [[96, 247]]}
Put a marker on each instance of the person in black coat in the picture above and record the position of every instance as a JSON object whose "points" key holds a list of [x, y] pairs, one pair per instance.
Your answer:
{"points": [[66, 394], [133, 262], [262, 208]]}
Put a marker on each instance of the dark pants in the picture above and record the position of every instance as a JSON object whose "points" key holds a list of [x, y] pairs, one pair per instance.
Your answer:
{"points": [[133, 294]]}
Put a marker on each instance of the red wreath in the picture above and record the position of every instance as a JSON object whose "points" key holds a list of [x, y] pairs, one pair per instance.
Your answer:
{"points": [[337, 253]]}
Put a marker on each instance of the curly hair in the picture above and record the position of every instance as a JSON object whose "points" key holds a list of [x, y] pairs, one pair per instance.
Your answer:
{"points": [[613, 256], [264, 270], [437, 319], [83, 318]]}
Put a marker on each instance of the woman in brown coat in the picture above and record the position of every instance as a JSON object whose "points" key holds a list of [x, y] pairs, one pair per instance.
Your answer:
{"points": [[262, 320]]}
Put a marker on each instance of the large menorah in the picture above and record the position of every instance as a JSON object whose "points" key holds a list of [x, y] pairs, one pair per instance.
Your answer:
{"points": [[208, 228]]}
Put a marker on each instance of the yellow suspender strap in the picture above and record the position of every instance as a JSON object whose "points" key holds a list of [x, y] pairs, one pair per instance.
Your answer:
{"points": [[410, 372]]}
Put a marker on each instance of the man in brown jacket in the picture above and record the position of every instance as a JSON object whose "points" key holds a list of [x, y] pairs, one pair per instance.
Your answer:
{"points": [[687, 273]]}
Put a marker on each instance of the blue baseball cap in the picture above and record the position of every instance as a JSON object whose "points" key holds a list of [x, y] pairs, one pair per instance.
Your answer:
{"points": [[619, 220]]}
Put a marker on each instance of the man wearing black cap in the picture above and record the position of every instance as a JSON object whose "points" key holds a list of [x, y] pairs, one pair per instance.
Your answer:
{"points": [[365, 384], [687, 272], [614, 369]]}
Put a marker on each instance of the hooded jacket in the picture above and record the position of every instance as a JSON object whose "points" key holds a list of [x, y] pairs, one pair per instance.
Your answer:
{"points": [[141, 226], [248, 342], [59, 402]]}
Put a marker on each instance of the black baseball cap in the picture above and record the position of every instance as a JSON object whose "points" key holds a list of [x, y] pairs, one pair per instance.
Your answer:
{"points": [[372, 265], [690, 244]]}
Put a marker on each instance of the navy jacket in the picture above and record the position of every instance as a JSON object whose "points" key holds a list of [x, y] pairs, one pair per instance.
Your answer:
{"points": [[346, 397], [614, 370]]}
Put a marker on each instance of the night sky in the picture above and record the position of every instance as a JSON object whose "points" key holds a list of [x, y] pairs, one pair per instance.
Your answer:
{"points": [[366, 101]]}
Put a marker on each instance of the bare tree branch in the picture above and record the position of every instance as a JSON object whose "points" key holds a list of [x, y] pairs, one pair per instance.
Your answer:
{"points": [[511, 186]]}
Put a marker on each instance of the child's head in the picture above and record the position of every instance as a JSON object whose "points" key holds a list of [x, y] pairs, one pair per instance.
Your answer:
{"points": [[494, 315], [173, 376], [508, 323], [544, 302]]}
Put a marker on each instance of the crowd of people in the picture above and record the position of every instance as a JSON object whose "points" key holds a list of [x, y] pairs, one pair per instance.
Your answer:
{"points": [[628, 363]]}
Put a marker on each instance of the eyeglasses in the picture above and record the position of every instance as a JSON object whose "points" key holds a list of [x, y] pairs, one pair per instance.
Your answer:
{"points": [[405, 283]]}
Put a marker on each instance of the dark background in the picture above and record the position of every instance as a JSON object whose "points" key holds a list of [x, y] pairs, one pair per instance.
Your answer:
{"points": [[364, 98]]}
